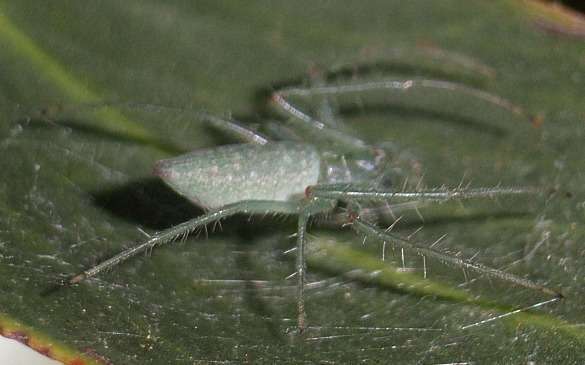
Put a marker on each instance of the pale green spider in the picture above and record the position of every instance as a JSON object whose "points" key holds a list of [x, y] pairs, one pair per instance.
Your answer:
{"points": [[266, 175]]}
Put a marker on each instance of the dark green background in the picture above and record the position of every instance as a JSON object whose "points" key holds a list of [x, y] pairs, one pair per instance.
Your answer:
{"points": [[75, 191]]}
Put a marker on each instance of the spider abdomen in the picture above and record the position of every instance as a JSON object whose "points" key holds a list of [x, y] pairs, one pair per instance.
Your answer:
{"points": [[218, 176]]}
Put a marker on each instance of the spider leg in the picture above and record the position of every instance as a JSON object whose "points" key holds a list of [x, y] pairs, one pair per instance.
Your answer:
{"points": [[352, 194], [279, 97], [236, 129], [301, 269], [230, 127], [360, 193], [308, 209], [374, 232], [303, 119], [171, 234], [425, 55], [305, 209], [326, 132], [326, 119]]}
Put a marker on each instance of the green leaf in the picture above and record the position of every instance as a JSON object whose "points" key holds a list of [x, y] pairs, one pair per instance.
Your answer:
{"points": [[75, 182]]}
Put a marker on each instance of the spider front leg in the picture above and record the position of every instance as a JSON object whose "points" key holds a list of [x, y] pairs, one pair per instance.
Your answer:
{"points": [[353, 194], [303, 120]]}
